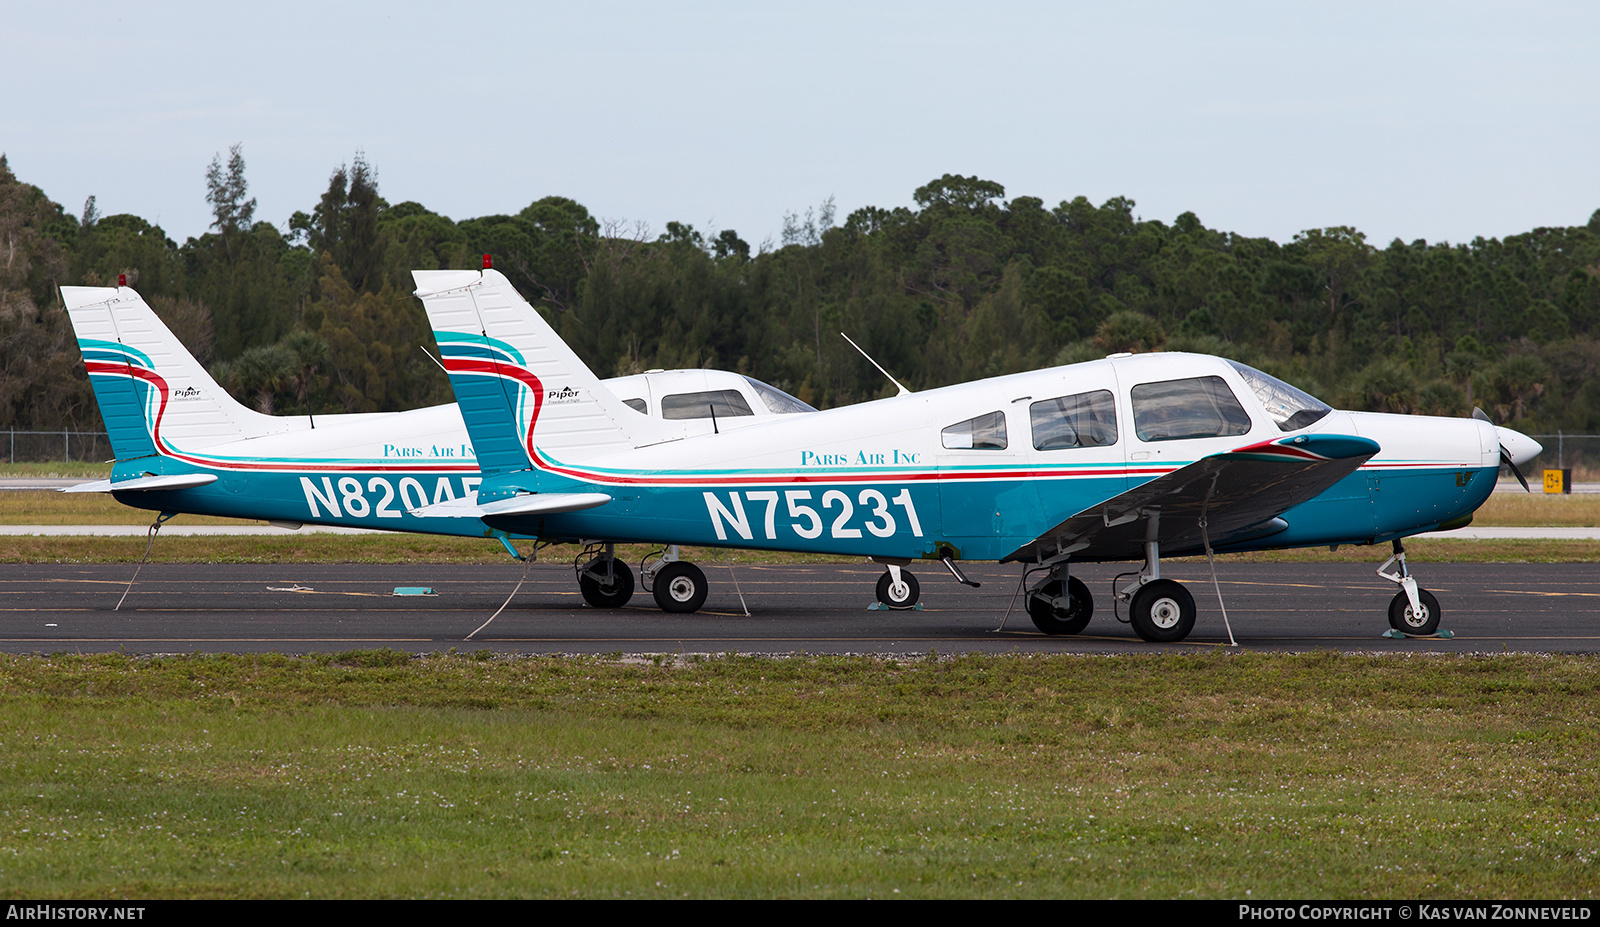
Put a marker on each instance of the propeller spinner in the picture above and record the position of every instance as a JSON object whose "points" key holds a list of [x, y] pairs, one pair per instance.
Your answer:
{"points": [[1515, 447]]}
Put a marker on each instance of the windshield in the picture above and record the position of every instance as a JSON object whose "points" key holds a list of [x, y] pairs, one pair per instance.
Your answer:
{"points": [[778, 402], [1289, 407]]}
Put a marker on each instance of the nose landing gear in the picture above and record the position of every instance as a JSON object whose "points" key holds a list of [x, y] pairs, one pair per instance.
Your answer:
{"points": [[1413, 612]]}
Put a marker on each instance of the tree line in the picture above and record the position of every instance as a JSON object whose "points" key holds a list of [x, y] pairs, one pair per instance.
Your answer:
{"points": [[315, 314]]}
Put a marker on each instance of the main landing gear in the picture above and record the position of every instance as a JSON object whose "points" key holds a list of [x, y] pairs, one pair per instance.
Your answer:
{"points": [[606, 582], [1060, 603], [1413, 611], [678, 585], [1160, 610]]}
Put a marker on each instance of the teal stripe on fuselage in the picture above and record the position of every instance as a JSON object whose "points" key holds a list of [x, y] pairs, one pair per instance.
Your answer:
{"points": [[915, 518]]}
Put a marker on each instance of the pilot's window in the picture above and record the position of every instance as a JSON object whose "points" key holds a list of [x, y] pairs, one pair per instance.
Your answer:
{"points": [[986, 432], [636, 405], [726, 402], [1084, 420], [1201, 407], [1287, 406], [778, 402]]}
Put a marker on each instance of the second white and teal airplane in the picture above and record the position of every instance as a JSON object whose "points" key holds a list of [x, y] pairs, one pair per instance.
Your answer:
{"points": [[1128, 458]]}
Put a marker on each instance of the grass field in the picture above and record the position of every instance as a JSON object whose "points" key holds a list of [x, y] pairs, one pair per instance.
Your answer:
{"points": [[376, 774]]}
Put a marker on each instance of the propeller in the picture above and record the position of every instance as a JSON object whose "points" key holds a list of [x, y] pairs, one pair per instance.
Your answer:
{"points": [[1505, 455]]}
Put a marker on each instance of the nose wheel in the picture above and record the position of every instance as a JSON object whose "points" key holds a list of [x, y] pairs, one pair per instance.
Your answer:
{"points": [[1423, 620]]}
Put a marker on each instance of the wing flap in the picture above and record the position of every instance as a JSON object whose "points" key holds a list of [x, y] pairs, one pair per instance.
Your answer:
{"points": [[1239, 493]]}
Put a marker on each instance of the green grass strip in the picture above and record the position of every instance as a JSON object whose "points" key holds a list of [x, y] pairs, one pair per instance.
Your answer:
{"points": [[381, 775]]}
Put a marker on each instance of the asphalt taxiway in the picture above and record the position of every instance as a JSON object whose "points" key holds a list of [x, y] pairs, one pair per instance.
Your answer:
{"points": [[297, 608]]}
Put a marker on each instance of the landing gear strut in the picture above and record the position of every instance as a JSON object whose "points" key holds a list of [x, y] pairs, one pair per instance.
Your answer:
{"points": [[1160, 610], [1413, 610]]}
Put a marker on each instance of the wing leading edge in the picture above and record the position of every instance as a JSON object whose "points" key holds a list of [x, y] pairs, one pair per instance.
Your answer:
{"points": [[1240, 493]]}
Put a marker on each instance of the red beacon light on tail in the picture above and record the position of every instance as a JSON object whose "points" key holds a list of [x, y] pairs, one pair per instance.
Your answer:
{"points": [[122, 279], [487, 264]]}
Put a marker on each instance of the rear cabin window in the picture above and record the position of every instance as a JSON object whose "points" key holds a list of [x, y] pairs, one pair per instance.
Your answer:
{"points": [[726, 402], [984, 433], [1084, 420], [1201, 407], [636, 405]]}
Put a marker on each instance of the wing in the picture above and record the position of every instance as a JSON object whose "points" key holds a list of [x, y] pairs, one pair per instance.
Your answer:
{"points": [[1240, 493]]}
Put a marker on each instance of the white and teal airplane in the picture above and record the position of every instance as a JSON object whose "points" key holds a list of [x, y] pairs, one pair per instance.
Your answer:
{"points": [[183, 445], [1126, 458], [1120, 459]]}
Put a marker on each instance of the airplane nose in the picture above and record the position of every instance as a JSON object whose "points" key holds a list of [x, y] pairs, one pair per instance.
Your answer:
{"points": [[1518, 446]]}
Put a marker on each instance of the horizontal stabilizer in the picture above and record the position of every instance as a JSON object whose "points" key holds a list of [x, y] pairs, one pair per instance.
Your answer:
{"points": [[543, 503], [147, 483], [1238, 493]]}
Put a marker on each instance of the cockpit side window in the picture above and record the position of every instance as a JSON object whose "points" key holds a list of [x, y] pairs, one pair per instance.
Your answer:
{"points": [[1083, 420], [1290, 408], [726, 402], [985, 433], [1199, 407]]}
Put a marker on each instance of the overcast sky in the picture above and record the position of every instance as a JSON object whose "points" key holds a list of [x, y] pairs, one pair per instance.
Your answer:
{"points": [[1411, 120]]}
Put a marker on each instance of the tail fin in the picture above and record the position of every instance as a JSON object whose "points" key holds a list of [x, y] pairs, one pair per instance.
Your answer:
{"points": [[154, 396], [526, 398]]}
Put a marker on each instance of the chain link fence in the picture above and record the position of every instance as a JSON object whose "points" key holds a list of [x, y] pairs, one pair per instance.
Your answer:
{"points": [[1579, 453], [54, 446]]}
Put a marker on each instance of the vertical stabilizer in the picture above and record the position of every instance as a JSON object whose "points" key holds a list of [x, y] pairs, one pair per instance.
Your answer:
{"points": [[154, 396], [526, 398]]}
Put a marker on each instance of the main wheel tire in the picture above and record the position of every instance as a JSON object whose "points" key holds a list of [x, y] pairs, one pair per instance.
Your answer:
{"points": [[601, 592], [1052, 620], [1401, 618], [903, 594], [1162, 612], [679, 587]]}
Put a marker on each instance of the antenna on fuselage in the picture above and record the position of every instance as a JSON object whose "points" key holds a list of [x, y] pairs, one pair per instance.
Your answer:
{"points": [[897, 384]]}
